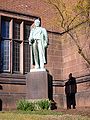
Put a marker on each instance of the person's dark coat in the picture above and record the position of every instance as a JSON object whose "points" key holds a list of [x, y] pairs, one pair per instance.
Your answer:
{"points": [[70, 90], [70, 86]]}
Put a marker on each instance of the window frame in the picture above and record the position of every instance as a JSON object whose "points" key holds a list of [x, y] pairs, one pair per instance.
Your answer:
{"points": [[23, 19]]}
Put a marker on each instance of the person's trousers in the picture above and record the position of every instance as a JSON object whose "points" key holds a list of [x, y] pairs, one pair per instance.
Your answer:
{"points": [[71, 100]]}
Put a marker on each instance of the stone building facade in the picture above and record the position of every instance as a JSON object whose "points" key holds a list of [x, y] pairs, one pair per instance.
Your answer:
{"points": [[16, 17]]}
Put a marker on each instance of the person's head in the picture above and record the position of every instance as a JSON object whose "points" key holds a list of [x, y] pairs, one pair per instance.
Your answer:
{"points": [[37, 22], [70, 75]]}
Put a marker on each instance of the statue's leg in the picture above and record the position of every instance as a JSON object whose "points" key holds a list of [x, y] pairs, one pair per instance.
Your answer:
{"points": [[35, 50], [41, 53]]}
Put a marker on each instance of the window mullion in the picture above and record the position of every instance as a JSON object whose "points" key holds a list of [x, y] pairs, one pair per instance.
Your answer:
{"points": [[21, 47], [11, 45]]}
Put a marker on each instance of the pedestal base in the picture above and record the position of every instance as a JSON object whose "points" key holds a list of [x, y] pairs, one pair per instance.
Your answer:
{"points": [[38, 85]]}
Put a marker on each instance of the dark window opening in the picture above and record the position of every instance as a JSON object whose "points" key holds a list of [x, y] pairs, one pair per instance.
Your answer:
{"points": [[1, 87], [0, 105], [27, 32], [16, 56], [4, 46], [16, 30], [26, 48], [26, 57]]}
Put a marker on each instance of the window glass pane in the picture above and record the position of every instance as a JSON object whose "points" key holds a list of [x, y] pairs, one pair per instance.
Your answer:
{"points": [[5, 55], [27, 57], [4, 46], [26, 48], [16, 47], [5, 29], [16, 30], [27, 31], [16, 56]]}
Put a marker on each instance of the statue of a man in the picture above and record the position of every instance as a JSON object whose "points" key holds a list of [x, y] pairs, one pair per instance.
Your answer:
{"points": [[38, 41]]}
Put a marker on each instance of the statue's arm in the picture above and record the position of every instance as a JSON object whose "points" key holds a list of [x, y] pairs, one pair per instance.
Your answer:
{"points": [[31, 38], [45, 37]]}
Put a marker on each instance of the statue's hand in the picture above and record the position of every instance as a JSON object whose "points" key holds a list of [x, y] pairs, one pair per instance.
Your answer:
{"points": [[45, 44], [32, 41], [29, 43]]}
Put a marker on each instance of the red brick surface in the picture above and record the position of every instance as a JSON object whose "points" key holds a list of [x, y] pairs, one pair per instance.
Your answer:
{"points": [[62, 53]]}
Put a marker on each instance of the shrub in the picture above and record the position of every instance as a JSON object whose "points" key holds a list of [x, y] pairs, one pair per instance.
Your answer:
{"points": [[25, 105], [44, 104], [33, 105]]}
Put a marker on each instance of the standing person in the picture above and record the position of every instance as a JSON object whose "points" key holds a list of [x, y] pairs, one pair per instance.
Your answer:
{"points": [[70, 90], [38, 41]]}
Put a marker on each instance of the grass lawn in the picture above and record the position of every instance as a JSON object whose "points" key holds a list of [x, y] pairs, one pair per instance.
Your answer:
{"points": [[39, 115]]}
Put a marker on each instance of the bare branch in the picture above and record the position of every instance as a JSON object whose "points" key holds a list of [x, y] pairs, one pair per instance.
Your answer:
{"points": [[69, 22], [61, 15], [74, 19], [79, 49], [74, 27]]}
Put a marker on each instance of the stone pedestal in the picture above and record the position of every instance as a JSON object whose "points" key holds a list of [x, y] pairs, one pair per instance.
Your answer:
{"points": [[38, 85]]}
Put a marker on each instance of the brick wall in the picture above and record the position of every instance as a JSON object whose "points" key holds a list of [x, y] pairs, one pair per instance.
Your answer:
{"points": [[62, 54], [13, 88], [32, 7]]}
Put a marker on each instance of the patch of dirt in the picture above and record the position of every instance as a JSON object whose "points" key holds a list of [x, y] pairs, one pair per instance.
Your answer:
{"points": [[83, 111]]}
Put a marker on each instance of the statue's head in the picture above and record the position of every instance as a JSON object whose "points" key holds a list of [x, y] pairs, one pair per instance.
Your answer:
{"points": [[37, 22]]}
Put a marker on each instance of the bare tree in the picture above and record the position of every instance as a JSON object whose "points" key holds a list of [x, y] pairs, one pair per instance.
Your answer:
{"points": [[73, 21]]}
